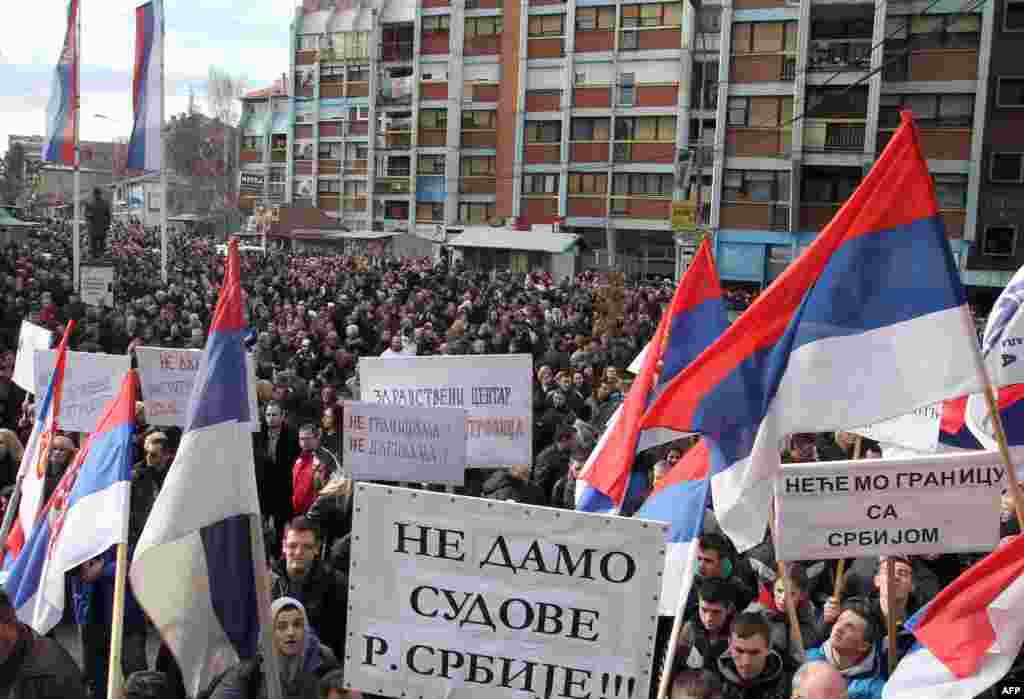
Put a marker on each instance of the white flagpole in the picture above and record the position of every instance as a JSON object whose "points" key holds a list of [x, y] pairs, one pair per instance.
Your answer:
{"points": [[76, 183], [163, 156]]}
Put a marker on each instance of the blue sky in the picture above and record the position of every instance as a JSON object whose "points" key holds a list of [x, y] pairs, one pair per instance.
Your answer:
{"points": [[246, 38]]}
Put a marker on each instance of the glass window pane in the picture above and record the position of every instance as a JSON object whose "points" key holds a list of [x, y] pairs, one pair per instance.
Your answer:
{"points": [[673, 15]]}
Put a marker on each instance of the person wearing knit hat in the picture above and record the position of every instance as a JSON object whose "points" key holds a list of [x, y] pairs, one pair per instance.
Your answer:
{"points": [[301, 659]]}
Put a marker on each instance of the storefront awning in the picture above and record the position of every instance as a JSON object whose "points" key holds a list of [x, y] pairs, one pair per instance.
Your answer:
{"points": [[508, 239]]}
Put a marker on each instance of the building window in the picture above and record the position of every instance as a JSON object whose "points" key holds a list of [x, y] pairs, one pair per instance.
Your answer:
{"points": [[358, 75], [756, 185], [252, 142], [828, 187], [1010, 92], [709, 20], [629, 41], [329, 186], [957, 31], [650, 185], [332, 74], [482, 120], [935, 111], [658, 129], [627, 89], [662, 14], [483, 26], [760, 112], [436, 24], [540, 184], [951, 191], [330, 151], [739, 111], [543, 131], [546, 25], [477, 166], [1000, 241], [1013, 17], [309, 42], [764, 37], [434, 119], [594, 18], [476, 212], [1007, 167], [586, 183], [591, 129], [350, 45], [431, 165], [430, 211]]}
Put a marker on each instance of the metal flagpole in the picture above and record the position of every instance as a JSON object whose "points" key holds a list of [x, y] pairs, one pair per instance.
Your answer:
{"points": [[76, 184], [163, 156]]}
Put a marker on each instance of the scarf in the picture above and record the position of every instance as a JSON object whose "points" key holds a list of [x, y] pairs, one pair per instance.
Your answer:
{"points": [[291, 665], [864, 666]]}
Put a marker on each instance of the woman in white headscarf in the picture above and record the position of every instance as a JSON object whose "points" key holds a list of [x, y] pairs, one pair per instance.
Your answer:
{"points": [[301, 659]]}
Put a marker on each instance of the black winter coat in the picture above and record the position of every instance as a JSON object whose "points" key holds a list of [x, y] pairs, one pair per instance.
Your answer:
{"points": [[324, 594], [39, 668], [504, 486]]}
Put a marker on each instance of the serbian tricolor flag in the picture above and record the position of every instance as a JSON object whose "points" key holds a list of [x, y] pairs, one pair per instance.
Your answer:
{"points": [[86, 515], [969, 635], [966, 423], [59, 146], [869, 323], [194, 570], [145, 149], [692, 321], [680, 500], [32, 472]]}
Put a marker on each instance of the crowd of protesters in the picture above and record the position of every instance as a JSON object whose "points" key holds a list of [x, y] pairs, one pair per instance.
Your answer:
{"points": [[312, 318]]}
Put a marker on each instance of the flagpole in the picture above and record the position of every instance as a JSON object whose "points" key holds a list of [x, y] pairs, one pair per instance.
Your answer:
{"points": [[76, 183], [163, 154], [263, 599], [114, 675], [795, 635], [1004, 450], [664, 682]]}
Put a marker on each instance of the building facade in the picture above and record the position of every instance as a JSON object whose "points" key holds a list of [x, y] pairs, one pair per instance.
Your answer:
{"points": [[596, 115]]}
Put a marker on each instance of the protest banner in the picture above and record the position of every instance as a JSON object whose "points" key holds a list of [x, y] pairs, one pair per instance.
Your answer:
{"points": [[91, 380], [30, 338], [391, 443], [946, 503], [460, 597], [918, 430], [97, 285], [495, 390], [166, 376]]}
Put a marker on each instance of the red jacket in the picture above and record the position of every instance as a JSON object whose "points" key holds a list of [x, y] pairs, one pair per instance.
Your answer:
{"points": [[309, 473]]}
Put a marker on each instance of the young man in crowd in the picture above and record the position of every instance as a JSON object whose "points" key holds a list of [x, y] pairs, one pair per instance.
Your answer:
{"points": [[752, 669], [852, 649]]}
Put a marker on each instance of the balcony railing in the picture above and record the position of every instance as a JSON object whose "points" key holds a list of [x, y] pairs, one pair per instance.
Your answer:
{"points": [[839, 55], [834, 136], [788, 68]]}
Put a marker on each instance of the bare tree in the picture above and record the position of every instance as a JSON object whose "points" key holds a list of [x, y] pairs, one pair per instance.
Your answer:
{"points": [[223, 92]]}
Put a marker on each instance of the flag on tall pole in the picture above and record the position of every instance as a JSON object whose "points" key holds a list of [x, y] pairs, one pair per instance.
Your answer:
{"points": [[32, 472], [145, 148], [86, 515], [693, 320], [869, 323], [59, 144], [200, 556]]}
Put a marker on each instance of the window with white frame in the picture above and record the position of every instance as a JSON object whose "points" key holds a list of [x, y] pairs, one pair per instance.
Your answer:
{"points": [[1000, 240], [756, 185], [540, 184], [1007, 167]]}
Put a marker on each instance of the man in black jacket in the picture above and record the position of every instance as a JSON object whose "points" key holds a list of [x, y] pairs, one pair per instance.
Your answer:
{"points": [[33, 666], [304, 575], [553, 462], [276, 448], [97, 213]]}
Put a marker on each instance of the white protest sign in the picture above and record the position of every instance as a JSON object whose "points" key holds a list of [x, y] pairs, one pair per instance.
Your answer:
{"points": [[391, 443], [494, 389], [30, 338], [945, 503], [918, 430], [91, 380], [166, 376], [97, 285], [456, 597]]}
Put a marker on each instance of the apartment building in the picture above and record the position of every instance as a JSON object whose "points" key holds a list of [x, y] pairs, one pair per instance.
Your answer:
{"points": [[595, 115]]}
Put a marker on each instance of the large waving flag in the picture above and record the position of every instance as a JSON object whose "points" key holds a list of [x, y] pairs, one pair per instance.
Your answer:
{"points": [[680, 500], [193, 570], [86, 515], [694, 319], [59, 146], [145, 149], [869, 323], [969, 635], [966, 422], [32, 472]]}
